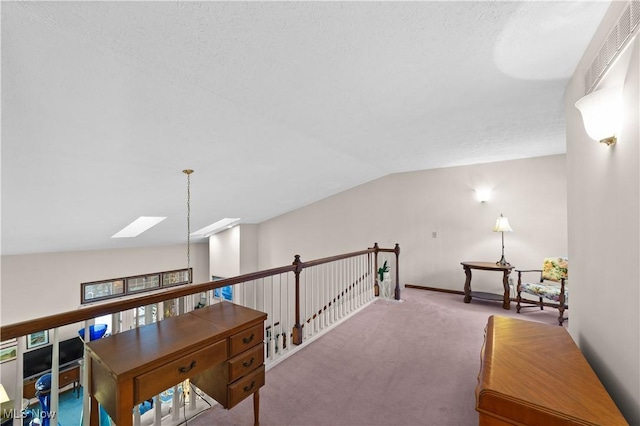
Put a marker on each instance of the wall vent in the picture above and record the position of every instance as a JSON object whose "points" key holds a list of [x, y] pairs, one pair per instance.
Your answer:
{"points": [[618, 38]]}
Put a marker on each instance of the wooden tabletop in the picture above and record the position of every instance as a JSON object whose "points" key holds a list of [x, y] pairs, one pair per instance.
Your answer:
{"points": [[488, 266], [534, 373], [162, 341]]}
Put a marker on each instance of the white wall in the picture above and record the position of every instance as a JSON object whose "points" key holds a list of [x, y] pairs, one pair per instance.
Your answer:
{"points": [[407, 208], [604, 232], [234, 251], [36, 285], [248, 248], [224, 253]]}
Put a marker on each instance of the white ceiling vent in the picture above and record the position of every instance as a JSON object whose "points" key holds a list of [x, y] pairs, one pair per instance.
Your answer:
{"points": [[617, 40]]}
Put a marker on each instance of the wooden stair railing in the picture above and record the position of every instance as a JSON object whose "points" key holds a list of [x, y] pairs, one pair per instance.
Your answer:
{"points": [[24, 328], [361, 285]]}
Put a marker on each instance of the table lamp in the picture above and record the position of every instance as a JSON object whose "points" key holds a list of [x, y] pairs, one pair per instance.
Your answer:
{"points": [[502, 226], [3, 395]]}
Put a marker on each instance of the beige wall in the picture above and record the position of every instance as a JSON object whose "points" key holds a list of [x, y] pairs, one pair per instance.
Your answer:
{"points": [[36, 285], [604, 231], [224, 253], [234, 251], [407, 208], [248, 248]]}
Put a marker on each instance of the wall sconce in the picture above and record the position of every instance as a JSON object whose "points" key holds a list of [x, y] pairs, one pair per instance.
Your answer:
{"points": [[601, 112], [483, 195]]}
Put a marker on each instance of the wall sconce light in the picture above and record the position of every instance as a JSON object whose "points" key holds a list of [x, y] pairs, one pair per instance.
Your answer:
{"points": [[483, 195], [601, 112]]}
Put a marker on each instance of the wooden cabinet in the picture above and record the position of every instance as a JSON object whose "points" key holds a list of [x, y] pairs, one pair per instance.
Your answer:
{"points": [[219, 347], [68, 376], [146, 385], [534, 374], [233, 380]]}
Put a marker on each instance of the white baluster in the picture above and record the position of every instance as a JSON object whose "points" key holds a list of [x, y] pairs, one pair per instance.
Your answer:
{"points": [[175, 404], [272, 345], [17, 402], [192, 396], [136, 415], [55, 373], [157, 414], [86, 367]]}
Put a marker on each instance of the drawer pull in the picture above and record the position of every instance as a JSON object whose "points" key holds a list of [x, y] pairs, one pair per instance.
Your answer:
{"points": [[187, 369], [248, 388], [246, 340], [248, 363]]}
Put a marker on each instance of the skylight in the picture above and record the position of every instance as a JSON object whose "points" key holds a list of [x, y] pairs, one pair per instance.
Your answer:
{"points": [[138, 226], [214, 228]]}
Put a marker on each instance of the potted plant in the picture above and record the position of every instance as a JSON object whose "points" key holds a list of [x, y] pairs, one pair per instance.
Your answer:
{"points": [[382, 271]]}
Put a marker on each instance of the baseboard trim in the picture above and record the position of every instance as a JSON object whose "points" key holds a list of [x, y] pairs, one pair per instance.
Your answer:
{"points": [[441, 290], [527, 303]]}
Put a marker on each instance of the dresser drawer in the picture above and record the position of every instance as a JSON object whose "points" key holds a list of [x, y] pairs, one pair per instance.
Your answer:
{"points": [[246, 339], [161, 378], [244, 387], [246, 362], [69, 376]]}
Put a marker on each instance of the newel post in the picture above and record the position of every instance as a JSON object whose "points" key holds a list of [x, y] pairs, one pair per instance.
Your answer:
{"points": [[297, 328], [397, 252], [376, 287]]}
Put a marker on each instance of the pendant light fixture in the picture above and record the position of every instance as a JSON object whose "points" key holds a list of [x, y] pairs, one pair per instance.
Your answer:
{"points": [[188, 172]]}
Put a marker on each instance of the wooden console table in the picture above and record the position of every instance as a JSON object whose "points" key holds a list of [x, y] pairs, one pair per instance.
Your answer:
{"points": [[534, 374], [487, 266], [130, 367]]}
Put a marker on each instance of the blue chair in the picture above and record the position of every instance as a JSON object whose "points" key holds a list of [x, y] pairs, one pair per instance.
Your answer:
{"points": [[96, 331]]}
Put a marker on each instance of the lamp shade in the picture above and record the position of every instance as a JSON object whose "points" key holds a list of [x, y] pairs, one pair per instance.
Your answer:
{"points": [[601, 112], [502, 225], [3, 395]]}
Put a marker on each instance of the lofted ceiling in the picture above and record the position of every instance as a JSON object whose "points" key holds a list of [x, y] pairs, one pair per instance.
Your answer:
{"points": [[275, 105]]}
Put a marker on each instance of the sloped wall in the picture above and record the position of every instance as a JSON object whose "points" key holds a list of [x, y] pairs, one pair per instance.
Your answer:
{"points": [[408, 208]]}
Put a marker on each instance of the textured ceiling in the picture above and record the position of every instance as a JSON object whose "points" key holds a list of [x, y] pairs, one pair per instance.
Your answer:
{"points": [[274, 104]]}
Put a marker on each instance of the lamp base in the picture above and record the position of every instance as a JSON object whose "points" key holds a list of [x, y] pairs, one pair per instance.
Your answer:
{"points": [[503, 262]]}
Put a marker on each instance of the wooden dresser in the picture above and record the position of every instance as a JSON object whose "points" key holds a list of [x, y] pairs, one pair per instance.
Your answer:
{"points": [[219, 347], [534, 374]]}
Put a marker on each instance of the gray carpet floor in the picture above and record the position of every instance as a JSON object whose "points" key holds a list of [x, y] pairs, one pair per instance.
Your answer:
{"points": [[409, 363]]}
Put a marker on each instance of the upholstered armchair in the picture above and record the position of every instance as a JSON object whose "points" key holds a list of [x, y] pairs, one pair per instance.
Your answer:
{"points": [[553, 286]]}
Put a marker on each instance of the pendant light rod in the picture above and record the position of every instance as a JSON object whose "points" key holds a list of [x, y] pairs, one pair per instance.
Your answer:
{"points": [[188, 173]]}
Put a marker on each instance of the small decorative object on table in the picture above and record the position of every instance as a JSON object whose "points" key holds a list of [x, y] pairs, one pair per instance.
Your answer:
{"points": [[382, 270], [385, 281]]}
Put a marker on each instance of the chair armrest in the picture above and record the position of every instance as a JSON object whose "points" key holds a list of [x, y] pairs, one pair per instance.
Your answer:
{"points": [[520, 271]]}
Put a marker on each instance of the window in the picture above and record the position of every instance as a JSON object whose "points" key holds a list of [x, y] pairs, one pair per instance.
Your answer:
{"points": [[225, 292], [143, 283], [100, 290], [172, 278], [116, 287]]}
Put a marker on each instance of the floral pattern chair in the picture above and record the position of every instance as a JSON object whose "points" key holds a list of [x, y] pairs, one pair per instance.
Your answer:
{"points": [[553, 285]]}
